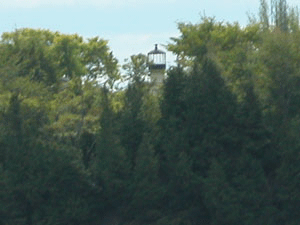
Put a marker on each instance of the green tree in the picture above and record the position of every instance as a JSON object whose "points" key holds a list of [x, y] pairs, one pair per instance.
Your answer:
{"points": [[100, 62], [136, 68], [74, 115], [41, 183], [228, 45], [111, 167], [191, 140], [280, 74], [287, 178], [147, 191], [32, 52], [46, 56], [280, 14], [69, 51], [132, 124], [264, 15]]}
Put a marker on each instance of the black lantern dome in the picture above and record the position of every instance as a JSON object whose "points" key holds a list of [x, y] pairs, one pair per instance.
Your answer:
{"points": [[157, 59]]}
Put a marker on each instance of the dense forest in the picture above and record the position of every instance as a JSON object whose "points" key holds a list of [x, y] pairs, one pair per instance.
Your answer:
{"points": [[217, 144]]}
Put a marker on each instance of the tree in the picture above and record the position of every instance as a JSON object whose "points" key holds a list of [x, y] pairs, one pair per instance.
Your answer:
{"points": [[228, 45], [32, 52], [280, 62], [132, 124], [147, 191], [287, 178], [47, 56], [68, 50], [42, 186], [136, 69], [264, 15], [279, 15], [40, 180], [111, 167], [100, 62], [190, 140]]}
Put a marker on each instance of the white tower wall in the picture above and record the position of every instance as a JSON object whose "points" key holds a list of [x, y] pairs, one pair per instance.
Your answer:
{"points": [[157, 76]]}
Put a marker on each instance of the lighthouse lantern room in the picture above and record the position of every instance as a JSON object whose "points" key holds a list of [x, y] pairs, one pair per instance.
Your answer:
{"points": [[157, 64]]}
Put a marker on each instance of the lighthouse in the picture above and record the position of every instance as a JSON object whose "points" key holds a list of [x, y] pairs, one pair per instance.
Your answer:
{"points": [[157, 65]]}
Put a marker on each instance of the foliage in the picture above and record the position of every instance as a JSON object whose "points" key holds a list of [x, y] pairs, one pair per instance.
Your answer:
{"points": [[47, 56], [217, 144]]}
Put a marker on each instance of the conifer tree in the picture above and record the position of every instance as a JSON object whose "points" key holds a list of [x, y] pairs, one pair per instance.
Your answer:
{"points": [[196, 127], [111, 167], [132, 124]]}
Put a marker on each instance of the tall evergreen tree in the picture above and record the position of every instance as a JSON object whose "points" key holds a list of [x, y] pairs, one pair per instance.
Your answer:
{"points": [[132, 124], [111, 167], [196, 127]]}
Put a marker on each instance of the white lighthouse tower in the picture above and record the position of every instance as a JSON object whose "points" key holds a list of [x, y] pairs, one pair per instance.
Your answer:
{"points": [[157, 65]]}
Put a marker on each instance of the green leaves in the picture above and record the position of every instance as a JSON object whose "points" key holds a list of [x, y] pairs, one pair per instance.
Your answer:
{"points": [[68, 50], [45, 56], [100, 62], [32, 52], [136, 69]]}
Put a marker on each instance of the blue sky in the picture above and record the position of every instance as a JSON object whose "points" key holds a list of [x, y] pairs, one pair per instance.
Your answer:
{"points": [[130, 26]]}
